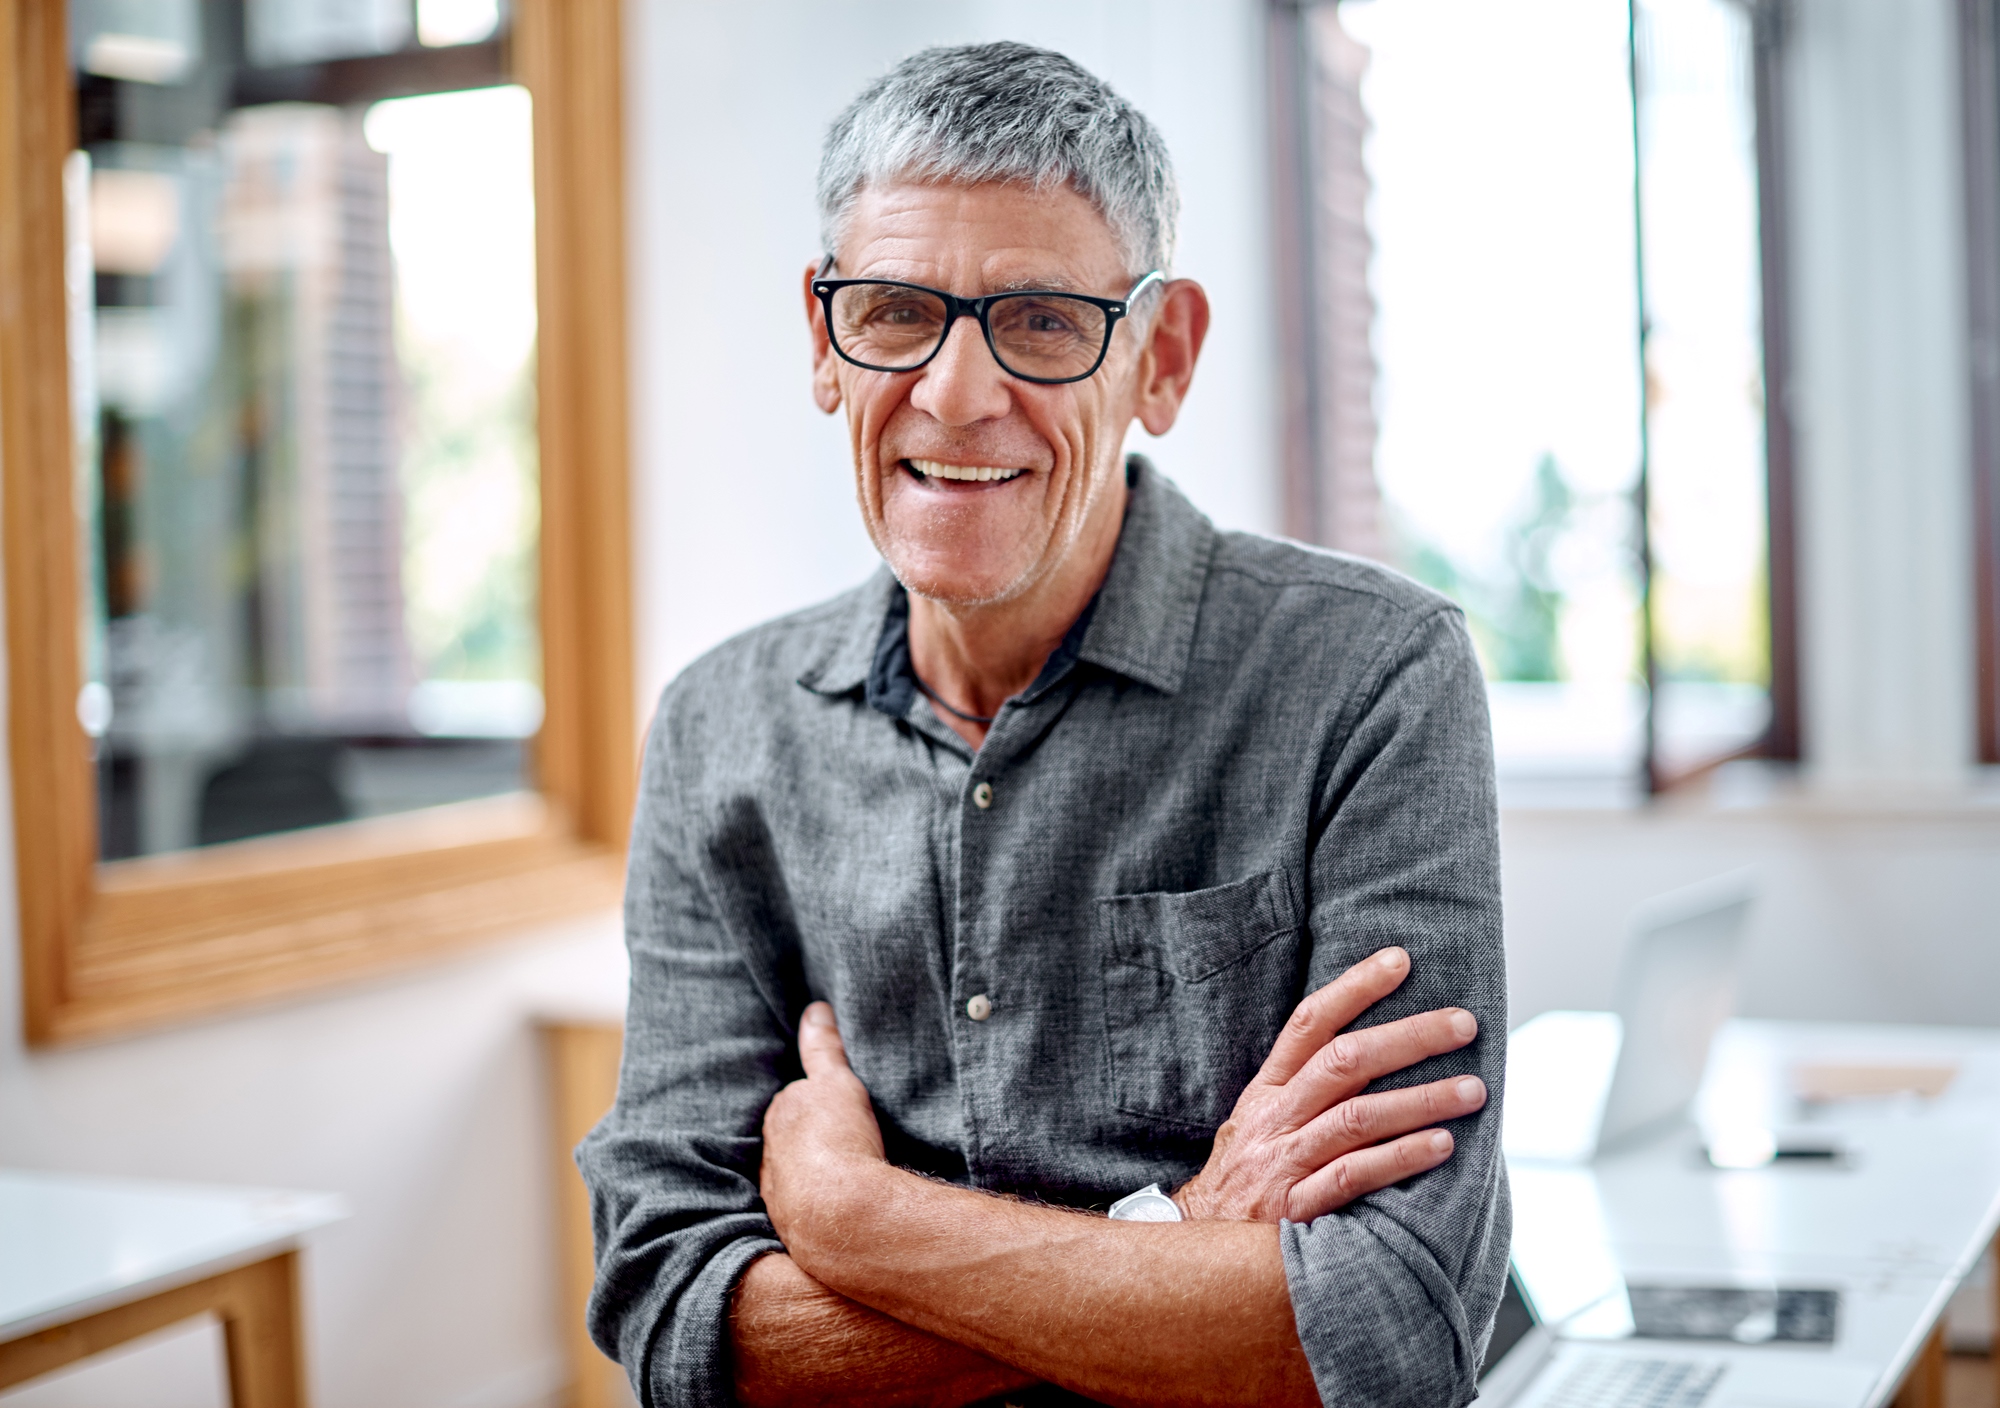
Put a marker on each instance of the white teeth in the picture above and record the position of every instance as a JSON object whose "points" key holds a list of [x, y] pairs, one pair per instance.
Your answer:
{"points": [[933, 469]]}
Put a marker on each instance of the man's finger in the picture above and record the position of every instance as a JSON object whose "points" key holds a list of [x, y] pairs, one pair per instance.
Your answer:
{"points": [[1346, 1064], [1314, 1021], [1365, 1170], [821, 1050], [1384, 1115]]}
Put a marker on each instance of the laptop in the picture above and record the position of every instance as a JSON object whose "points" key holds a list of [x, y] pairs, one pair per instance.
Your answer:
{"points": [[1686, 1351], [1582, 1083]]}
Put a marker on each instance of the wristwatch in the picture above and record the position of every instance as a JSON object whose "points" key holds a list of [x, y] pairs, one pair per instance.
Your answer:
{"points": [[1149, 1204]]}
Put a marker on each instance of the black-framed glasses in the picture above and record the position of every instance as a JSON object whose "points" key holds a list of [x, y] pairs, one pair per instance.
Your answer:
{"points": [[1038, 335]]}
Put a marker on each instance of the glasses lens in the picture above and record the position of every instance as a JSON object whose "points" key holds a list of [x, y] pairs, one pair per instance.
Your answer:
{"points": [[885, 325], [1047, 336]]}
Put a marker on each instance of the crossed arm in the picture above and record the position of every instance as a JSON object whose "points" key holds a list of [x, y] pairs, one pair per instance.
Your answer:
{"points": [[898, 1289]]}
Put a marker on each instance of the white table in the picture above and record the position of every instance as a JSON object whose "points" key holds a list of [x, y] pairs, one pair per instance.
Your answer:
{"points": [[89, 1263], [1895, 1225]]}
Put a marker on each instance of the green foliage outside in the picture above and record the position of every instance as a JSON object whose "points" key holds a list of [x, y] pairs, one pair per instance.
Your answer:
{"points": [[471, 524], [1515, 614]]}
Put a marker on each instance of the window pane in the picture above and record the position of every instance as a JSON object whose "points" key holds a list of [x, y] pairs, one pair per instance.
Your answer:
{"points": [[1500, 157], [442, 22], [280, 32], [1507, 276], [309, 469], [1705, 378]]}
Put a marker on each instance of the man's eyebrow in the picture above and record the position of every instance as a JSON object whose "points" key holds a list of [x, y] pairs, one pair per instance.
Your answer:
{"points": [[1054, 283]]}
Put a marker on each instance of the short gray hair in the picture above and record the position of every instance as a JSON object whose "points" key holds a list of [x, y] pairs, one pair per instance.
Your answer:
{"points": [[1005, 112]]}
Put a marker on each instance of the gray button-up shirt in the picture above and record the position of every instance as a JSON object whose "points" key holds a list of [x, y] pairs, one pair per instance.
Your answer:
{"points": [[1057, 961]]}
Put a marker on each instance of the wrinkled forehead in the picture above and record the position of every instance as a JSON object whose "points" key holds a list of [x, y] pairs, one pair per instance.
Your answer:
{"points": [[999, 234]]}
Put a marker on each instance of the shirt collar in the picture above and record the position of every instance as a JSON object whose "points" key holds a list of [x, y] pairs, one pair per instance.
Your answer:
{"points": [[892, 680], [1140, 624], [848, 651], [1146, 609]]}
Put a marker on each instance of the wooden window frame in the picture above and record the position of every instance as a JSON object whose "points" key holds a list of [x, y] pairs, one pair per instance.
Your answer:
{"points": [[1979, 52], [1783, 740], [1327, 373], [110, 947]]}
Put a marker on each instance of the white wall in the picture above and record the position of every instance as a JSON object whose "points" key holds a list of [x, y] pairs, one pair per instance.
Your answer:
{"points": [[1881, 397], [745, 498], [1864, 914]]}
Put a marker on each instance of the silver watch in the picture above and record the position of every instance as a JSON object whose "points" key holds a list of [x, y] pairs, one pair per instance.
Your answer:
{"points": [[1149, 1204]]}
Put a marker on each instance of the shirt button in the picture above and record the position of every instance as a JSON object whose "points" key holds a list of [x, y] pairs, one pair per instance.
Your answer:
{"points": [[979, 1008], [982, 796]]}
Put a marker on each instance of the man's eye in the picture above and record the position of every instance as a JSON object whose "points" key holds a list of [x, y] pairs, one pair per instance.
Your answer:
{"points": [[901, 315], [1045, 320]]}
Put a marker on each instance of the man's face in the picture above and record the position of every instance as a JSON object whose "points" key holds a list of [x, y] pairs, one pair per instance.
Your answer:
{"points": [[1053, 452]]}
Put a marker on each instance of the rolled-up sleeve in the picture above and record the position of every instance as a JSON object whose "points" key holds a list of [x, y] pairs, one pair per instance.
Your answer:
{"points": [[672, 1170], [1394, 1296]]}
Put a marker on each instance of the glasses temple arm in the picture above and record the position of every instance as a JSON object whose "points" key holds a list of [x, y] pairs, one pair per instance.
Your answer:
{"points": [[1157, 276]]}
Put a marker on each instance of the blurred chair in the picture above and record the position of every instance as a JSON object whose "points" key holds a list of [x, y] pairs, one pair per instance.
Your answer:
{"points": [[1923, 1385], [582, 1055]]}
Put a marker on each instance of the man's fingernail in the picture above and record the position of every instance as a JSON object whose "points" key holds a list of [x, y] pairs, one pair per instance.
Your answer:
{"points": [[819, 1014], [1392, 957], [1440, 1143], [1463, 1025], [1471, 1088]]}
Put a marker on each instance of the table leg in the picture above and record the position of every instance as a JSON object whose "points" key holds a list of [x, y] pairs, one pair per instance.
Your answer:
{"points": [[260, 1326], [257, 1304], [1923, 1385]]}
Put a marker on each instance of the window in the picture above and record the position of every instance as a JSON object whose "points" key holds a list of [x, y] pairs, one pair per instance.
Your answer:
{"points": [[318, 619], [1706, 493], [1501, 197]]}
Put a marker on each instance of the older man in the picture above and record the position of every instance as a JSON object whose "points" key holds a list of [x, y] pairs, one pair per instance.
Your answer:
{"points": [[979, 898]]}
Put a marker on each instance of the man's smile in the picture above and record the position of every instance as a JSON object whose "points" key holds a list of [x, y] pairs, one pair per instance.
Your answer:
{"points": [[928, 471]]}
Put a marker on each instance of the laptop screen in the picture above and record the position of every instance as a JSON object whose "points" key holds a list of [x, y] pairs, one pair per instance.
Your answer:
{"points": [[1515, 1319]]}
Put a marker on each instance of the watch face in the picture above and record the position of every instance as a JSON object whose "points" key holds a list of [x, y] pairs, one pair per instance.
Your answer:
{"points": [[1149, 1204]]}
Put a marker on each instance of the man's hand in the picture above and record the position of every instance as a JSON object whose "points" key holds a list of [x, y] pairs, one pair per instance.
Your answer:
{"points": [[792, 1340], [898, 1289], [817, 1129], [1303, 1140]]}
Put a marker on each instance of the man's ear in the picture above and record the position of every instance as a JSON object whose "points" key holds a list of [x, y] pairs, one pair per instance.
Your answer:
{"points": [[1166, 367], [825, 383]]}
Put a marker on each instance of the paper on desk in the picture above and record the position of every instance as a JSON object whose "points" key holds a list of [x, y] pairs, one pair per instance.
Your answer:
{"points": [[1825, 1080]]}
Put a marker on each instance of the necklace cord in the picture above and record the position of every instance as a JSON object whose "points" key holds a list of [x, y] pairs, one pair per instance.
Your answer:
{"points": [[947, 706]]}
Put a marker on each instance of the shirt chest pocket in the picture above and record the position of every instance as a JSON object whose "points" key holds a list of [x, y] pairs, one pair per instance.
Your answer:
{"points": [[1196, 986]]}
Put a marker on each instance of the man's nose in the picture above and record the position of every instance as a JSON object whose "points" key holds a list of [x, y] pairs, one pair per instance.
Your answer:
{"points": [[962, 384]]}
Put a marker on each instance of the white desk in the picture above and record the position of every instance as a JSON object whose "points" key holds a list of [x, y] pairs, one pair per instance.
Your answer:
{"points": [[88, 1263], [1894, 1226]]}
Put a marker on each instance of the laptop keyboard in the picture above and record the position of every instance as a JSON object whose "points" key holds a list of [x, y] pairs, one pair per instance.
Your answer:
{"points": [[1622, 1381]]}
